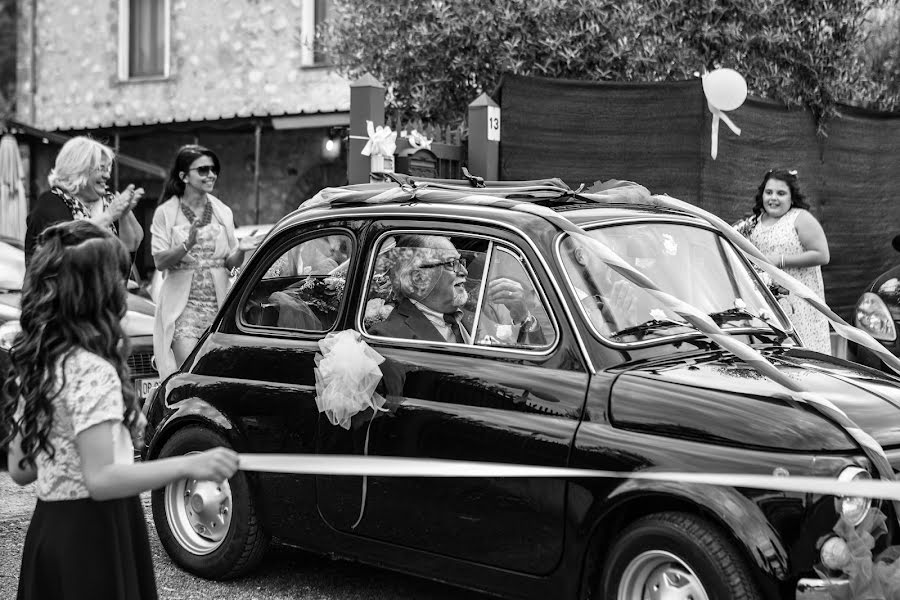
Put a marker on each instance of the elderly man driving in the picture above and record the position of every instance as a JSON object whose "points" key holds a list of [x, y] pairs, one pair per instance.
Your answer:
{"points": [[428, 277]]}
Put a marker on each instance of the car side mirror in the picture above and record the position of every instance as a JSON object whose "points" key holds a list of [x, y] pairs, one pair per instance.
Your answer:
{"points": [[896, 243]]}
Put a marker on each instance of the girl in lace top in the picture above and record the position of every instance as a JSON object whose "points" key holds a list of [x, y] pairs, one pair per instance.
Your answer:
{"points": [[71, 422]]}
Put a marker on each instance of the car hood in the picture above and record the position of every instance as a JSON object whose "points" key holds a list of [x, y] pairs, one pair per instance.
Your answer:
{"points": [[715, 397], [138, 320]]}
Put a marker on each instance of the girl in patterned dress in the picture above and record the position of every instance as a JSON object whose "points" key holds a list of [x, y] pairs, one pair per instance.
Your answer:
{"points": [[792, 239], [194, 247], [71, 423]]}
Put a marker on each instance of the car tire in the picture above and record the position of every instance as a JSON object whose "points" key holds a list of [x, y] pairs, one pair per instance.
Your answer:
{"points": [[208, 529], [680, 551]]}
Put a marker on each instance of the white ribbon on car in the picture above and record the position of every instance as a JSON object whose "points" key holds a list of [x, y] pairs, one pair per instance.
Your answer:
{"points": [[347, 374], [634, 193]]}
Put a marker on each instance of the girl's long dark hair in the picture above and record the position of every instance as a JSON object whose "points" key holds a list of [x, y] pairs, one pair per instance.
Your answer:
{"points": [[73, 297], [184, 158], [798, 200]]}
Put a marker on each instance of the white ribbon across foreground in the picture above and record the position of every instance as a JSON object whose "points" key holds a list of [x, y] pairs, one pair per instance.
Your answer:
{"points": [[381, 466]]}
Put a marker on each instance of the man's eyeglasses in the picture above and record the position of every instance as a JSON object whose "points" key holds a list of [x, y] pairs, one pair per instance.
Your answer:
{"points": [[205, 170], [452, 265]]}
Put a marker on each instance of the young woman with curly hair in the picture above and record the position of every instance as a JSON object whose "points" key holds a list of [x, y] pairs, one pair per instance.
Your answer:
{"points": [[784, 229], [70, 424]]}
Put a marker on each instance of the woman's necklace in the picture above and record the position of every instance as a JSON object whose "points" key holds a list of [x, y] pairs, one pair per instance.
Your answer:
{"points": [[89, 207], [191, 216]]}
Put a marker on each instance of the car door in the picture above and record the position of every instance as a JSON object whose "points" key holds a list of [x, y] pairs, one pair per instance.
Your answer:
{"points": [[262, 352], [484, 399]]}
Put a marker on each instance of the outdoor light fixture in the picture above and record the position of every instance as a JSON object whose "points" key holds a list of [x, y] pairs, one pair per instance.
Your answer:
{"points": [[332, 143]]}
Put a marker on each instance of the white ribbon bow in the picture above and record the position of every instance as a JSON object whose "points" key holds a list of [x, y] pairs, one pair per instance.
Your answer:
{"points": [[382, 141], [417, 140]]}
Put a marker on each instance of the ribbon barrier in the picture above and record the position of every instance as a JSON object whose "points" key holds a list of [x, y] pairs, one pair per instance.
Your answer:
{"points": [[381, 466], [725, 89]]}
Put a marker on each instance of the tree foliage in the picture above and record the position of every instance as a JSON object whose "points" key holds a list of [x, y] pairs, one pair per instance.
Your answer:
{"points": [[436, 56]]}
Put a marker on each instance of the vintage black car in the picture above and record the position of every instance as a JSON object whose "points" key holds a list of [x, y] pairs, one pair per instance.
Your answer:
{"points": [[877, 312], [581, 379]]}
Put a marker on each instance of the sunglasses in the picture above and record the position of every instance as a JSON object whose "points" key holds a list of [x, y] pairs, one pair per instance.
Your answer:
{"points": [[206, 170], [452, 265]]}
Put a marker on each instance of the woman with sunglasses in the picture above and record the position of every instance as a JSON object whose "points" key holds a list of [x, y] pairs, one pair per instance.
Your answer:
{"points": [[194, 247], [792, 239], [79, 190]]}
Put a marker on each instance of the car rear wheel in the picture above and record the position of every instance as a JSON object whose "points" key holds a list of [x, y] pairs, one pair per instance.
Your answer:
{"points": [[207, 528], [677, 556]]}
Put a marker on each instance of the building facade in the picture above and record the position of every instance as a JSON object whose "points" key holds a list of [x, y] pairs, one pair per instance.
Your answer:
{"points": [[243, 77]]}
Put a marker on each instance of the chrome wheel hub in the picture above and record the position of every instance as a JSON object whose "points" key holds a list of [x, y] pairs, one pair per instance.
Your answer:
{"points": [[199, 513], [660, 575]]}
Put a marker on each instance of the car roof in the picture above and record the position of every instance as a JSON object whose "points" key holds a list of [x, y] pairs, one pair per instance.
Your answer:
{"points": [[495, 201]]}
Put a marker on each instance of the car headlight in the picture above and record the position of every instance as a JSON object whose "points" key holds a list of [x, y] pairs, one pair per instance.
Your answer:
{"points": [[853, 509], [873, 316]]}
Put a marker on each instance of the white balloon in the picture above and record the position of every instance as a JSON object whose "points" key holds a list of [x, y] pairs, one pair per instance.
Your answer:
{"points": [[725, 89]]}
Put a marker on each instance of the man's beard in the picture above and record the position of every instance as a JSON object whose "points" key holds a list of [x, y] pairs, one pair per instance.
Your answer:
{"points": [[460, 296]]}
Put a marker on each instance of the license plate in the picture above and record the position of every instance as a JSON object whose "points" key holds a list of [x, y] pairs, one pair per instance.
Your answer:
{"points": [[145, 387]]}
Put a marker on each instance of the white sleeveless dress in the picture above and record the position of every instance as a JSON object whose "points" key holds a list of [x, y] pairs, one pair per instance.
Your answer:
{"points": [[781, 238]]}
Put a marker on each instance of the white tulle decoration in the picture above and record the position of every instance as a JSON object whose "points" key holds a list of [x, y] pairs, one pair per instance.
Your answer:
{"points": [[347, 374]]}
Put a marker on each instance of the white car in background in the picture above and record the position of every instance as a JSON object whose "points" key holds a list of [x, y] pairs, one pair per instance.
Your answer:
{"points": [[138, 321]]}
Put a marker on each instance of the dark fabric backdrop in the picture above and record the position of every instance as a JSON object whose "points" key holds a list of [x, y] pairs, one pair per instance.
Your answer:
{"points": [[658, 134]]}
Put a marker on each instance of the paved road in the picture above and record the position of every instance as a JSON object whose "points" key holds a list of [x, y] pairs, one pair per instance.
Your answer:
{"points": [[286, 573]]}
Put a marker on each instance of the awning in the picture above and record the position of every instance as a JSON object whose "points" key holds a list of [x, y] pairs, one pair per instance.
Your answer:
{"points": [[58, 138]]}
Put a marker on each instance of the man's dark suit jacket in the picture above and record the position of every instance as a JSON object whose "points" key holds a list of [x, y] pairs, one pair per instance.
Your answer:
{"points": [[407, 322]]}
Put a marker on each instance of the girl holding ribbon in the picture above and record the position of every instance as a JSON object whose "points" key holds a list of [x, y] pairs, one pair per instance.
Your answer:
{"points": [[71, 425]]}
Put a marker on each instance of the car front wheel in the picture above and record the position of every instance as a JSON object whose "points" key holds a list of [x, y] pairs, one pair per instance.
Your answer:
{"points": [[207, 528], [678, 556]]}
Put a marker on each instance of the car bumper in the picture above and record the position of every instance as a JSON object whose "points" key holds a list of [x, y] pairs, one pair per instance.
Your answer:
{"points": [[817, 589]]}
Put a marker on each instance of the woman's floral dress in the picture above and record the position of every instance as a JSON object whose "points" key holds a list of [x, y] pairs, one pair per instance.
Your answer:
{"points": [[781, 238], [201, 305]]}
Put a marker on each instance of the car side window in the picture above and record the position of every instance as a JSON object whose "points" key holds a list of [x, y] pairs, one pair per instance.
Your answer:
{"points": [[302, 288], [454, 289], [512, 312]]}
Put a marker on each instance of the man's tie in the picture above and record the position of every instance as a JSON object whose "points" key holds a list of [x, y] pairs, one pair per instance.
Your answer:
{"points": [[451, 320]]}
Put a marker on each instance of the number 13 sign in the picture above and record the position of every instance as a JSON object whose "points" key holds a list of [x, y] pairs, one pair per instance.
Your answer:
{"points": [[493, 123]]}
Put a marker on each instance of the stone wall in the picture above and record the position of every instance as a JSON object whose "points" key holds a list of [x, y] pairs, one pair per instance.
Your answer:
{"points": [[229, 58]]}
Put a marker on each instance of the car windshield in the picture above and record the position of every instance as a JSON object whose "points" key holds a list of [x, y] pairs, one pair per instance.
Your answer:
{"points": [[693, 264]]}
